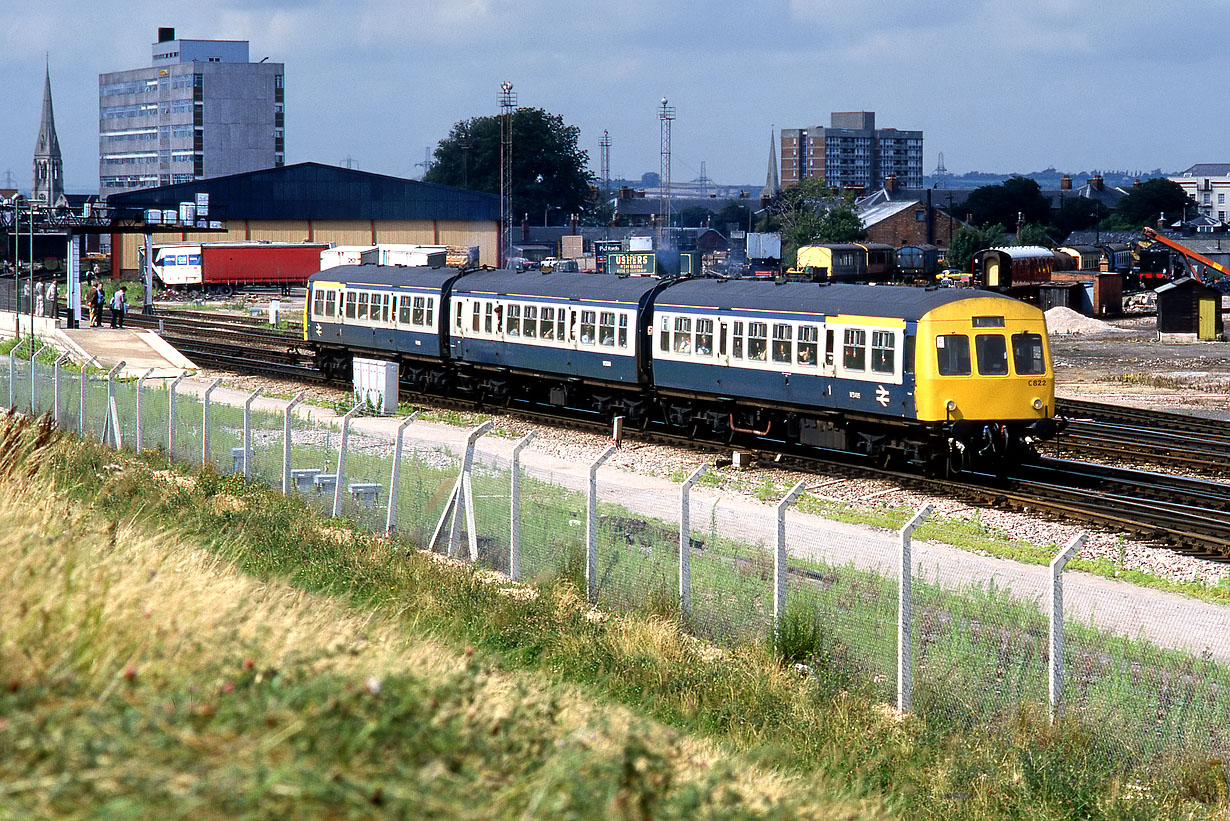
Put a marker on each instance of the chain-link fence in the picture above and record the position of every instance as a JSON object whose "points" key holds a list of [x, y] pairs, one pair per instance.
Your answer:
{"points": [[970, 642]]}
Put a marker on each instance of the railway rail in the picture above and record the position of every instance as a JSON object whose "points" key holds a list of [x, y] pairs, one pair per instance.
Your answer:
{"points": [[1189, 514]]}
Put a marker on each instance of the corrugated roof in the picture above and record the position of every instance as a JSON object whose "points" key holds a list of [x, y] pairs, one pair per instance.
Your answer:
{"points": [[881, 211]]}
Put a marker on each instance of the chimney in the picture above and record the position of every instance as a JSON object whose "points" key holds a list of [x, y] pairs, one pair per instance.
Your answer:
{"points": [[625, 193], [166, 34], [525, 227], [1065, 183], [890, 182], [1136, 184], [1096, 182], [573, 223]]}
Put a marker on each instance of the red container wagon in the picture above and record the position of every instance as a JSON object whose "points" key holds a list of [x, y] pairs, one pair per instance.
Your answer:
{"points": [[225, 268]]}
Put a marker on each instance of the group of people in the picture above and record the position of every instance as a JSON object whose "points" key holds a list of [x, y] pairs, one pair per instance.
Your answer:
{"points": [[97, 300]]}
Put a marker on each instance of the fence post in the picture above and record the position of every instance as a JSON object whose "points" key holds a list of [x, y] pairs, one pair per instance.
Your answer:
{"points": [[81, 384], [112, 423], [205, 423], [1056, 672], [140, 392], [591, 528], [286, 442], [779, 557], [55, 389], [390, 519], [34, 377], [341, 459], [514, 509], [460, 501], [13, 375], [685, 541], [171, 416], [905, 613], [247, 429]]}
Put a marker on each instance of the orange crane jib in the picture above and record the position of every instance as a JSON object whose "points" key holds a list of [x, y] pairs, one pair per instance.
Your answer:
{"points": [[1185, 251]]}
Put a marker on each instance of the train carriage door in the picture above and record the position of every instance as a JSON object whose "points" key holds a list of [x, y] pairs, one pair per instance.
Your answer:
{"points": [[990, 271], [723, 331]]}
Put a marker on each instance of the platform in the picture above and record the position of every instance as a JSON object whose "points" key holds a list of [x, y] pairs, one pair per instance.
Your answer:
{"points": [[140, 350]]}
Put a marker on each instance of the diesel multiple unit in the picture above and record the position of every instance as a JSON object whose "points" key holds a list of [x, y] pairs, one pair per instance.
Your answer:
{"points": [[929, 377]]}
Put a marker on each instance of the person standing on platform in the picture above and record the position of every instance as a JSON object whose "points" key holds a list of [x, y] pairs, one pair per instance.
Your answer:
{"points": [[97, 300], [53, 308], [39, 303], [118, 306]]}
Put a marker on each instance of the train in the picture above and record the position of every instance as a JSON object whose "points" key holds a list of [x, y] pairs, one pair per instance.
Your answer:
{"points": [[936, 379]]}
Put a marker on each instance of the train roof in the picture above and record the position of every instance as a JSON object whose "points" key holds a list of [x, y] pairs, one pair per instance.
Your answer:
{"points": [[897, 301], [420, 276], [558, 285], [1021, 251]]}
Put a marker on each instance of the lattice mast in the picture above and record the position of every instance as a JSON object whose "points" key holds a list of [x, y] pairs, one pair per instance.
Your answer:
{"points": [[508, 104], [666, 115]]}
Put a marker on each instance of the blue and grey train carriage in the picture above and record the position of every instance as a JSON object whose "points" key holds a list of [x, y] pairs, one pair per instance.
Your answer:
{"points": [[558, 339], [879, 370]]}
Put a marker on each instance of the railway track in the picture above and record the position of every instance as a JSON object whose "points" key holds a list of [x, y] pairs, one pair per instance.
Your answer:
{"points": [[1188, 514]]}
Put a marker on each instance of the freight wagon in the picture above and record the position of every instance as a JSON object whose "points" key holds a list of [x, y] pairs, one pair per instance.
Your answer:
{"points": [[221, 268]]}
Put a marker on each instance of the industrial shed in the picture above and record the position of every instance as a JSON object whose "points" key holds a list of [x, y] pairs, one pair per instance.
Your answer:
{"points": [[1187, 311], [311, 202]]}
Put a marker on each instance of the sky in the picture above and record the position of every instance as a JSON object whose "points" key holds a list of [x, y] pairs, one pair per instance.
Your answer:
{"points": [[995, 85]]}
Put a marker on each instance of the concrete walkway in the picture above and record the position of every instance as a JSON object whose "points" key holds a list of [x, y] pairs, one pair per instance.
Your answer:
{"points": [[140, 350]]}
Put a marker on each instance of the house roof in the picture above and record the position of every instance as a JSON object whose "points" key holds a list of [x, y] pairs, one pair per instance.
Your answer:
{"points": [[876, 214], [1207, 169]]}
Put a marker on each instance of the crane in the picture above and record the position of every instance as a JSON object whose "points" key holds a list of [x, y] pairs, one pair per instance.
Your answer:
{"points": [[1188, 254]]}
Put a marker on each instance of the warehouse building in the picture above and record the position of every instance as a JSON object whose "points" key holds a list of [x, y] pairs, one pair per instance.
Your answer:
{"points": [[311, 202]]}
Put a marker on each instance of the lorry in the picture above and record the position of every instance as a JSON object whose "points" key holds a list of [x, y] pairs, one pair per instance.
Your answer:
{"points": [[219, 268]]}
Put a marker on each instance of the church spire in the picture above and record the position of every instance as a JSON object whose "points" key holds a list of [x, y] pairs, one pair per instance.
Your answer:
{"points": [[772, 184], [48, 165]]}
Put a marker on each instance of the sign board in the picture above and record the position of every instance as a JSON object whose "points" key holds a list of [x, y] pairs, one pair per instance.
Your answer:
{"points": [[632, 263], [571, 246]]}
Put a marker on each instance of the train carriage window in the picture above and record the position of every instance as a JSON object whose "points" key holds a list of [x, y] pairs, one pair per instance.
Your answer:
{"points": [[606, 329], [458, 321], [828, 346], [417, 314], [809, 338], [1027, 354], [623, 330], [384, 308], [477, 320], [854, 350], [782, 343], [361, 312], [883, 351], [992, 350], [736, 340], [664, 336], [704, 337], [588, 327], [546, 326], [429, 318], [683, 334], [907, 359], [330, 303], [952, 354], [529, 325], [561, 318], [489, 317], [401, 309], [722, 331], [351, 301], [318, 303], [757, 340], [514, 320]]}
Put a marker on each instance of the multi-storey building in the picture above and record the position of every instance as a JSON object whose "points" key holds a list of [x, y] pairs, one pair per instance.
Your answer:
{"points": [[852, 153], [200, 110], [1208, 184]]}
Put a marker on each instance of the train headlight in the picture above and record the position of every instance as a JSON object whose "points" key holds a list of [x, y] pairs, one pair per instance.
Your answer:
{"points": [[1038, 404], [952, 406]]}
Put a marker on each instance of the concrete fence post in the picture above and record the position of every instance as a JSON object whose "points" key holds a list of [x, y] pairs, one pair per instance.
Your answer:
{"points": [[1056, 624], [341, 459], [685, 541], [286, 441], [205, 443], [390, 518], [905, 613], [779, 557], [514, 509], [591, 527], [82, 385], [55, 388], [247, 432], [171, 416], [140, 420], [34, 409], [460, 501], [111, 425], [13, 377]]}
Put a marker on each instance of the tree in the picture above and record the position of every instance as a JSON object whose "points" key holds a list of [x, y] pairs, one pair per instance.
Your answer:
{"points": [[549, 172], [1018, 199], [968, 241], [695, 217], [1145, 203], [1034, 234], [732, 214], [811, 212], [1079, 213]]}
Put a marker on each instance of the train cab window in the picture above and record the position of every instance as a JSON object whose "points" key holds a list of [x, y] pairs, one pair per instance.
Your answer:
{"points": [[683, 334], [883, 351], [361, 312], [351, 301], [318, 303], [757, 340], [854, 350], [330, 304], [623, 330], [782, 343], [907, 359], [704, 337], [664, 336], [828, 346], [477, 321], [809, 339], [546, 326], [529, 327], [514, 320], [952, 354], [606, 329], [992, 350], [588, 327], [736, 340], [1027, 354]]}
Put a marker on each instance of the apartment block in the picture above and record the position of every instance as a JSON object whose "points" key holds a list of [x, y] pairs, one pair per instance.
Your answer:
{"points": [[852, 153]]}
